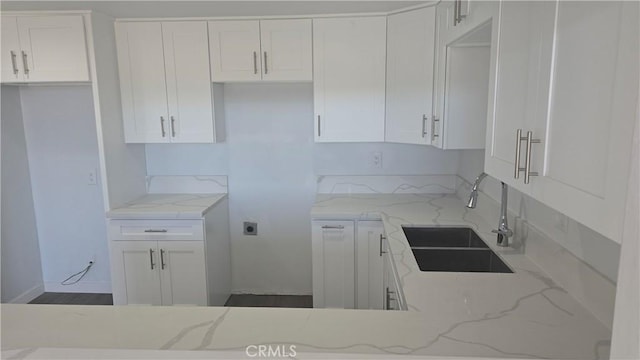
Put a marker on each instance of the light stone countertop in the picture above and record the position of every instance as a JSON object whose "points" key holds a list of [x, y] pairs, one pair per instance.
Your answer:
{"points": [[167, 206], [479, 315]]}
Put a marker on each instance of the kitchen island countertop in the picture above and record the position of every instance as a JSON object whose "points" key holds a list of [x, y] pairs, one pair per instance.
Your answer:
{"points": [[479, 315]]}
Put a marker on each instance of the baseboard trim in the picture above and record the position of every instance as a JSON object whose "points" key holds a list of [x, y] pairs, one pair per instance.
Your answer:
{"points": [[28, 295], [267, 292], [98, 287]]}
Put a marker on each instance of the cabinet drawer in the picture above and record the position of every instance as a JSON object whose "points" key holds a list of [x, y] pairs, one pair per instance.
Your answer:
{"points": [[156, 230]]}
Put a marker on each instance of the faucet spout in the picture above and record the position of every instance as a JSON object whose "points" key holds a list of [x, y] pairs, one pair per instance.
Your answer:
{"points": [[473, 197]]}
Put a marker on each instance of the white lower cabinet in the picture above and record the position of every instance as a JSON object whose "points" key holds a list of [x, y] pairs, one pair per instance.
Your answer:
{"points": [[171, 262], [348, 264], [333, 247], [159, 272], [369, 258], [136, 277]]}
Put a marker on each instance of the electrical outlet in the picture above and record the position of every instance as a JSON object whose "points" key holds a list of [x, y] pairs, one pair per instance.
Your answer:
{"points": [[375, 160], [250, 228], [92, 179]]}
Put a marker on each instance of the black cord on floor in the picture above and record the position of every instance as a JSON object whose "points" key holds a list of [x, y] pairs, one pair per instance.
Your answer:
{"points": [[82, 273]]}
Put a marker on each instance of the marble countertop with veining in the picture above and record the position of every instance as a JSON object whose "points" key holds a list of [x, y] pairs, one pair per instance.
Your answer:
{"points": [[167, 206], [476, 315]]}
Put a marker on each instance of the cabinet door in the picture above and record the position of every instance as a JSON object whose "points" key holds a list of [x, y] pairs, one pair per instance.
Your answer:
{"points": [[286, 50], [592, 112], [349, 79], [135, 269], [521, 85], [235, 50], [182, 273], [142, 82], [410, 60], [369, 274], [444, 25], [53, 48], [186, 62], [333, 244], [11, 58]]}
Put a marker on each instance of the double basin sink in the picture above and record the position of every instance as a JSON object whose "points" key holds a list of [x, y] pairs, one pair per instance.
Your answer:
{"points": [[455, 249]]}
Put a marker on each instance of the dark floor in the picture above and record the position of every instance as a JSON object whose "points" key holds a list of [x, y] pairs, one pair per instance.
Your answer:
{"points": [[286, 301], [73, 299], [245, 300]]}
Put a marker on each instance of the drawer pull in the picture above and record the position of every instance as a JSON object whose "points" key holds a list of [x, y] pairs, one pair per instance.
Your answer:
{"points": [[156, 230], [332, 226]]}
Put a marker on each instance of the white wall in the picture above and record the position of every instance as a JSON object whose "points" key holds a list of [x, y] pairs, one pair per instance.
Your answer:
{"points": [[62, 146], [21, 270], [589, 246], [272, 162]]}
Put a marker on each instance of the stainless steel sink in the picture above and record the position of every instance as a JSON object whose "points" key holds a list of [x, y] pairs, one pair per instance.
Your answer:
{"points": [[454, 249]]}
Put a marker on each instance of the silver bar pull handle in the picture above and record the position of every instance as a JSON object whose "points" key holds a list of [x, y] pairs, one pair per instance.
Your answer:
{"points": [[14, 62], [25, 63], [155, 230], [460, 15], [162, 264], [382, 238], [340, 227], [517, 168], [319, 126], [151, 259], [173, 127], [455, 12], [434, 120], [424, 125], [162, 126], [527, 161], [265, 62], [255, 62]]}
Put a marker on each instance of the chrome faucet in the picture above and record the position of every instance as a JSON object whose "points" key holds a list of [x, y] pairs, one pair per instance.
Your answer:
{"points": [[503, 231]]}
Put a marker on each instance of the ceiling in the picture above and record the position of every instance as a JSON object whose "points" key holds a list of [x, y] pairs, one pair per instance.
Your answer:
{"points": [[149, 9]]}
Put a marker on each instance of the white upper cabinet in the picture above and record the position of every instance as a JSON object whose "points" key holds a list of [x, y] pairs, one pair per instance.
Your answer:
{"points": [[189, 94], [44, 49], [254, 50], [592, 111], [165, 82], [525, 41], [235, 50], [577, 101], [286, 50], [349, 79], [410, 80]]}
